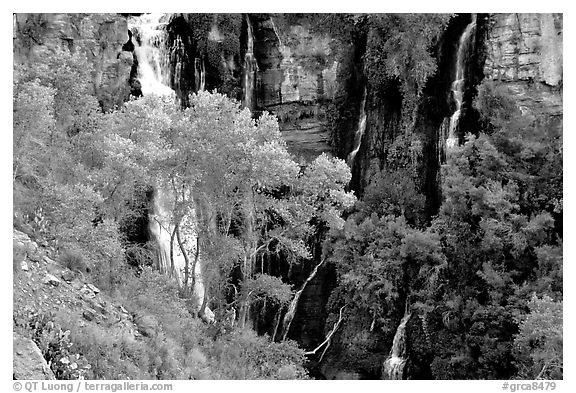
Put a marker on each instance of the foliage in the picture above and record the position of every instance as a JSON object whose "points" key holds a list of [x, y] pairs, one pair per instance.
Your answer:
{"points": [[472, 273], [540, 339], [400, 47], [73, 260], [244, 355], [33, 123], [264, 287]]}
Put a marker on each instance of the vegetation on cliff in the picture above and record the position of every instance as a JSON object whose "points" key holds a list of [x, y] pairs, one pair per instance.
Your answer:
{"points": [[77, 172], [481, 277]]}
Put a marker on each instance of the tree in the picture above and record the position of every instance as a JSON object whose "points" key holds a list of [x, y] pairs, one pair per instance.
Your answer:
{"points": [[245, 185], [539, 340]]}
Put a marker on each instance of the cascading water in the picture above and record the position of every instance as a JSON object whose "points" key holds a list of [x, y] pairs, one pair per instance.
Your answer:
{"points": [[199, 74], [161, 229], [250, 68], [393, 367], [459, 82], [289, 316], [152, 64], [359, 131], [151, 53]]}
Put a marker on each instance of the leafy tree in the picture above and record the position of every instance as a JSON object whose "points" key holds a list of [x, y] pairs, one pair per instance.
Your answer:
{"points": [[539, 340], [245, 185], [33, 124]]}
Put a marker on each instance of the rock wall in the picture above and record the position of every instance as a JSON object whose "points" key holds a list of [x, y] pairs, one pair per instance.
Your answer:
{"points": [[101, 37], [524, 53], [297, 77]]}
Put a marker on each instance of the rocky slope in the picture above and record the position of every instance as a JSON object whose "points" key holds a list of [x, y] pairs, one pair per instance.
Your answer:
{"points": [[44, 291]]}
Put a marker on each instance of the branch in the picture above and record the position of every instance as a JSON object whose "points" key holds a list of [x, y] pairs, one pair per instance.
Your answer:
{"points": [[328, 339]]}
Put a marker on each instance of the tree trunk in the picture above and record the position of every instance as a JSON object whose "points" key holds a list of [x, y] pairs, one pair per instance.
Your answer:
{"points": [[185, 254], [202, 310], [193, 268], [171, 271]]}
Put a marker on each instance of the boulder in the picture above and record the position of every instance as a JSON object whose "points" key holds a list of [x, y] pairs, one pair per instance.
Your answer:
{"points": [[87, 293], [88, 315], [51, 280], [28, 360], [93, 288]]}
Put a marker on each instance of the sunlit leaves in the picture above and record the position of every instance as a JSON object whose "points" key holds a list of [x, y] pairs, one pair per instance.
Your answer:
{"points": [[541, 338]]}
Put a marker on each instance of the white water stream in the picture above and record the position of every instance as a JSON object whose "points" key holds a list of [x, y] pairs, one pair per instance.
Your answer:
{"points": [[359, 130], [458, 83], [393, 367], [153, 76]]}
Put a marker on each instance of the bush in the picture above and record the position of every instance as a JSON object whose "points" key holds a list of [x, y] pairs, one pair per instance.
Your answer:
{"points": [[495, 103], [242, 354], [74, 261]]}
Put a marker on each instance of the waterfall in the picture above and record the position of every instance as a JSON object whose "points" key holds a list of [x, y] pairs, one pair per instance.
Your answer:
{"points": [[150, 49], [199, 74], [458, 83], [153, 63], [359, 131], [161, 228], [250, 69], [287, 321], [393, 367]]}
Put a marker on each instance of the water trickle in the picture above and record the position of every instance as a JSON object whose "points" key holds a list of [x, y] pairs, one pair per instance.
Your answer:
{"points": [[150, 48], [359, 131], [393, 367], [459, 82], [250, 69], [199, 74], [291, 312]]}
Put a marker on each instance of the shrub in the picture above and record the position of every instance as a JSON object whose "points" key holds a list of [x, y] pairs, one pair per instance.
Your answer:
{"points": [[242, 354], [74, 261]]}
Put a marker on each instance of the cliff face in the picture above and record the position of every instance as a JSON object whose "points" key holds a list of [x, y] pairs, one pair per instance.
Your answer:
{"points": [[100, 36], [296, 79], [524, 53]]}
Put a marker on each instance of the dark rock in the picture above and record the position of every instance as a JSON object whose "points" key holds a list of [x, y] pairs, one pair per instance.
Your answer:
{"points": [[28, 360], [88, 315]]}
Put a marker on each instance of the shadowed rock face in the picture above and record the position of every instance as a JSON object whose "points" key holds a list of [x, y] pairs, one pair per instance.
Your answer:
{"points": [[297, 79], [102, 37]]}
